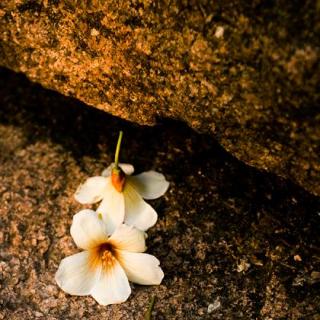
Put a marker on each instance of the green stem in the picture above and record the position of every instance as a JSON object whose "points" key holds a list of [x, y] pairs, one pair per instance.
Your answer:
{"points": [[116, 155], [150, 308]]}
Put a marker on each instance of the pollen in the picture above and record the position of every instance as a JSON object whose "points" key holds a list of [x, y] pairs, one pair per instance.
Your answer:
{"points": [[106, 255], [107, 259]]}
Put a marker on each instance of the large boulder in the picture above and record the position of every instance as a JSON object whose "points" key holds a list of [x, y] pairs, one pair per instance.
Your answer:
{"points": [[245, 72]]}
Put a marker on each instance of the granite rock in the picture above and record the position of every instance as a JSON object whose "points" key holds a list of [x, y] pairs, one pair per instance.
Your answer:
{"points": [[245, 250], [246, 73]]}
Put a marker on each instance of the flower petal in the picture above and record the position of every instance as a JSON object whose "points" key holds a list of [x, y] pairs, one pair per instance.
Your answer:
{"points": [[138, 213], [91, 191], [87, 230], [74, 275], [127, 168], [150, 184], [112, 208], [128, 238], [141, 268], [112, 286]]}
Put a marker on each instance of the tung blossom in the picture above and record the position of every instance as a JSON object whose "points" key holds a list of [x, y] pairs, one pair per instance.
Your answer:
{"points": [[122, 195], [108, 262]]}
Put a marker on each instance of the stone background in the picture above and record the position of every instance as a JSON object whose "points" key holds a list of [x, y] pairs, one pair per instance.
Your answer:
{"points": [[244, 72], [234, 242]]}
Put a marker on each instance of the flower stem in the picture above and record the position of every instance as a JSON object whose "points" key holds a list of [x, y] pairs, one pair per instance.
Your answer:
{"points": [[116, 155], [150, 308]]}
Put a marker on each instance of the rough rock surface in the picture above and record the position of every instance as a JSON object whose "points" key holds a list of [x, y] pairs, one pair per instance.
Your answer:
{"points": [[234, 243], [246, 72]]}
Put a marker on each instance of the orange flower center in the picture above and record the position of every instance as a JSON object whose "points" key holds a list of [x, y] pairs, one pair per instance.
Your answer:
{"points": [[107, 259], [106, 253], [103, 255], [118, 179]]}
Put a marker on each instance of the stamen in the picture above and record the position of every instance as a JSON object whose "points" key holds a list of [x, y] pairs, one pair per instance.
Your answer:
{"points": [[106, 254]]}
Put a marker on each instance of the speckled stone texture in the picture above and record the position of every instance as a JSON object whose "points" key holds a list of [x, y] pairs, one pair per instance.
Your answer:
{"points": [[245, 72], [234, 243]]}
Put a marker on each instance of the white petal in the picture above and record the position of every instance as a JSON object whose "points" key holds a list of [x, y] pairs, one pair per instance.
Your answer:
{"points": [[112, 208], [112, 286], [91, 191], [127, 168], [150, 184], [141, 268], [128, 238], [138, 213], [74, 275], [87, 230]]}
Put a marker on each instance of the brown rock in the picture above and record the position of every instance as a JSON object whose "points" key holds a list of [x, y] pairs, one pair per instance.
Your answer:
{"points": [[245, 73], [207, 225]]}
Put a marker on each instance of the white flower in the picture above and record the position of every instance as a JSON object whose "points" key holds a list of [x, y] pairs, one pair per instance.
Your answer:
{"points": [[122, 195], [108, 262]]}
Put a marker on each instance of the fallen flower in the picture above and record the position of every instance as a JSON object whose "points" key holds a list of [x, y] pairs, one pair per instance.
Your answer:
{"points": [[126, 205], [122, 194], [108, 262]]}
